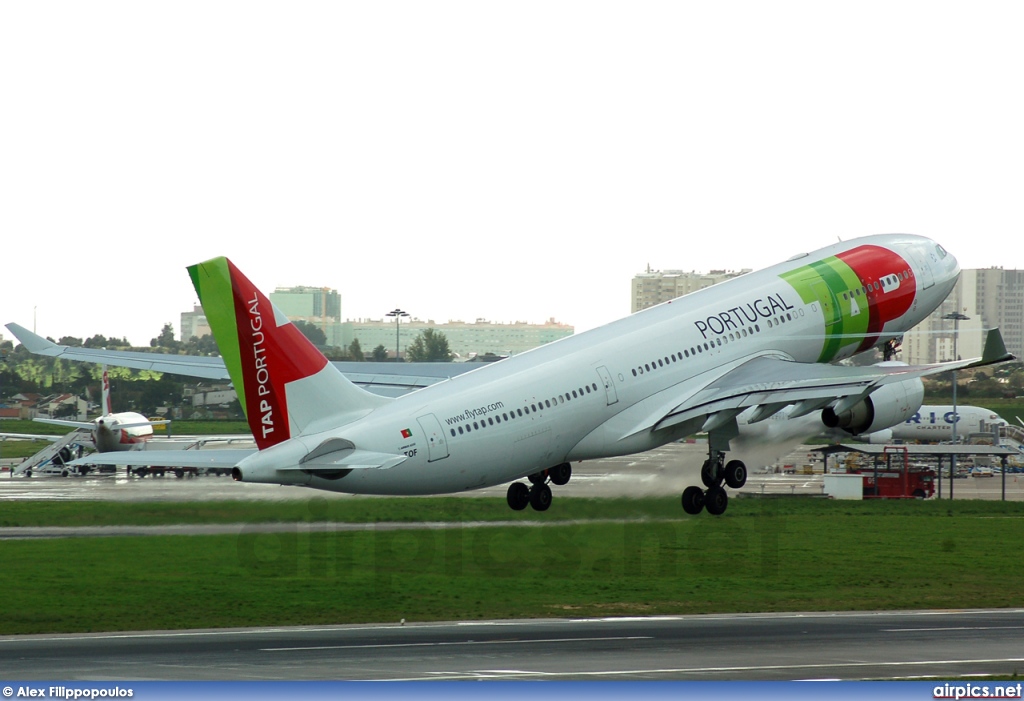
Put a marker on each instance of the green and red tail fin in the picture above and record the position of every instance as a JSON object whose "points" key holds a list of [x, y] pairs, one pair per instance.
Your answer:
{"points": [[285, 384]]}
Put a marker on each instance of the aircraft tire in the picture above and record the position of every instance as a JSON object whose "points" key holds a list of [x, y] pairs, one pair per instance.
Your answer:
{"points": [[707, 473], [693, 500], [540, 497], [518, 496], [735, 474], [561, 474], [538, 477], [716, 501]]}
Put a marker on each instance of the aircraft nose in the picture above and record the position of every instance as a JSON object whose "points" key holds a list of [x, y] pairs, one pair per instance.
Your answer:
{"points": [[950, 263]]}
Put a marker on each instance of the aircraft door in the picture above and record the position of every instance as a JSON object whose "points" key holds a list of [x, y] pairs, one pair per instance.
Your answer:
{"points": [[437, 446], [926, 277], [609, 387], [827, 300]]}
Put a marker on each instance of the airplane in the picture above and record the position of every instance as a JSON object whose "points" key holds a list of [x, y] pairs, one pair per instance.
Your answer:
{"points": [[125, 430], [933, 423], [764, 340]]}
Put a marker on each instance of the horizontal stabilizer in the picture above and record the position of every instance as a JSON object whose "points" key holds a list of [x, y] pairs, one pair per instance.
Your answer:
{"points": [[340, 454], [66, 423]]}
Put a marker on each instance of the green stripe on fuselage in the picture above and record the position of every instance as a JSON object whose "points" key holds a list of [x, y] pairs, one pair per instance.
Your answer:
{"points": [[212, 280], [843, 328]]}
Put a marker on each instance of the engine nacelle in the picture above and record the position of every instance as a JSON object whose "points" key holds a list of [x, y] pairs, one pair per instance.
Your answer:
{"points": [[887, 406]]}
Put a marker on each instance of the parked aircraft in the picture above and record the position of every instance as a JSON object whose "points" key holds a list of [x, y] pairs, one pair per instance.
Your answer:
{"points": [[932, 423], [762, 341], [935, 423], [111, 432]]}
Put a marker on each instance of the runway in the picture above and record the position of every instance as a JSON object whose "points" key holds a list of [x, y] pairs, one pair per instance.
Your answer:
{"points": [[662, 472], [790, 646]]}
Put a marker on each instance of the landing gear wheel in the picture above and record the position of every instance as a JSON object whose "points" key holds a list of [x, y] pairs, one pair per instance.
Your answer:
{"points": [[560, 475], [540, 497], [716, 501], [538, 477], [693, 500], [709, 473], [518, 496], [735, 474]]}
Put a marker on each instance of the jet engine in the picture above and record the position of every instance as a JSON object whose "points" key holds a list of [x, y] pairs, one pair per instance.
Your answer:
{"points": [[887, 406]]}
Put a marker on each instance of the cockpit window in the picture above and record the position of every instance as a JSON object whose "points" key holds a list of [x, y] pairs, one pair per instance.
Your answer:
{"points": [[941, 251]]}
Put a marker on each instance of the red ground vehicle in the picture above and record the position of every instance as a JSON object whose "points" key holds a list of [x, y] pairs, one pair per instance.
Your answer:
{"points": [[896, 478]]}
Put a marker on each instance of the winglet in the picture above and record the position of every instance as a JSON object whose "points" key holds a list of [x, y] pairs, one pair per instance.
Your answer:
{"points": [[32, 342], [995, 350]]}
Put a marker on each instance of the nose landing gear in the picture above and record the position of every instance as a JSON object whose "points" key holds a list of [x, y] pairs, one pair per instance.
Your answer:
{"points": [[713, 474]]}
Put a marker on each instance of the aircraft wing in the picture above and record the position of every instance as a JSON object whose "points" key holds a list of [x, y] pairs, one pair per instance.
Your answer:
{"points": [[226, 457], [771, 383], [191, 365], [387, 379]]}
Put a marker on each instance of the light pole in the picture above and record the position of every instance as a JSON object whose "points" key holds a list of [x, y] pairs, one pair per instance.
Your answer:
{"points": [[398, 314], [956, 317]]}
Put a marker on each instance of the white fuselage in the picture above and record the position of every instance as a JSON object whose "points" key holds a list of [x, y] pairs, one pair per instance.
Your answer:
{"points": [[110, 434], [935, 424], [593, 395]]}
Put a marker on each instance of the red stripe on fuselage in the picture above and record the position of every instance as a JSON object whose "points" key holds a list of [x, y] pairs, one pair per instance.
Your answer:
{"points": [[871, 264]]}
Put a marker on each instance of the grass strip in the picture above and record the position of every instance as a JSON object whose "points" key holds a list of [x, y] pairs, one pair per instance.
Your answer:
{"points": [[763, 555]]}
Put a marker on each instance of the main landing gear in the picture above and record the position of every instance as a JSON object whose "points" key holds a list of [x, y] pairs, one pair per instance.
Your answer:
{"points": [[538, 496], [714, 472]]}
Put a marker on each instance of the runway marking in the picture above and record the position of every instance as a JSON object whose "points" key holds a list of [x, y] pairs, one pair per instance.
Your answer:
{"points": [[498, 673], [523, 641], [928, 630], [510, 622]]}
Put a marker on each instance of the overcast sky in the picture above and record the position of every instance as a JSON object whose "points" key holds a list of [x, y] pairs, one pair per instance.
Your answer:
{"points": [[510, 161]]}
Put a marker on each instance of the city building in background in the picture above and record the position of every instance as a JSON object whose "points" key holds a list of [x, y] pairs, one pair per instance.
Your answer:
{"points": [[653, 287], [321, 306], [194, 323], [466, 340], [989, 298]]}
